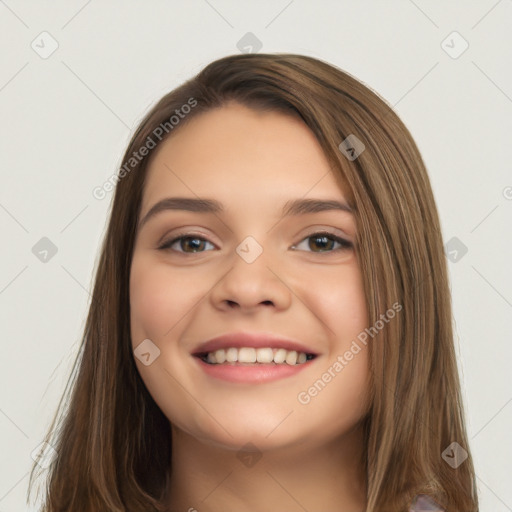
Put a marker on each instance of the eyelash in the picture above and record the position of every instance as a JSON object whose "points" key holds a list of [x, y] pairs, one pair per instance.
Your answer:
{"points": [[345, 244]]}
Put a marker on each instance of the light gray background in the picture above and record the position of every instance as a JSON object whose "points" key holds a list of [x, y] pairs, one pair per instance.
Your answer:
{"points": [[66, 120]]}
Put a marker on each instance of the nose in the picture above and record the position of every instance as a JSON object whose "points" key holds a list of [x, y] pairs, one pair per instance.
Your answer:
{"points": [[251, 284]]}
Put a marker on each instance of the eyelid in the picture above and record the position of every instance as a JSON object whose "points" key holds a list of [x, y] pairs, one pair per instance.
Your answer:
{"points": [[183, 232], [329, 230], [309, 232]]}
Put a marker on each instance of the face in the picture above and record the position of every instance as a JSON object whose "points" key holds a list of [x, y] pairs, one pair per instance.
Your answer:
{"points": [[248, 268]]}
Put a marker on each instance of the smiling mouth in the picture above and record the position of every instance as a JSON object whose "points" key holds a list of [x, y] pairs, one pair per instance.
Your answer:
{"points": [[250, 356]]}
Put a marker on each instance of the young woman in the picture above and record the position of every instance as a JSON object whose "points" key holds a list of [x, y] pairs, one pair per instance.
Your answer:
{"points": [[270, 326]]}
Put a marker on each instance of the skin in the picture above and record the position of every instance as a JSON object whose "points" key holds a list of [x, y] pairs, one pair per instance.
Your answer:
{"points": [[309, 454]]}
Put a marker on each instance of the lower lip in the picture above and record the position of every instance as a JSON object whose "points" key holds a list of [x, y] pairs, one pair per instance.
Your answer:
{"points": [[251, 373]]}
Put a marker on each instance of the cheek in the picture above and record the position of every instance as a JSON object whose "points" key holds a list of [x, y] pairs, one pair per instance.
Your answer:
{"points": [[338, 393], [341, 305], [159, 297], [158, 301], [336, 399], [149, 299]]}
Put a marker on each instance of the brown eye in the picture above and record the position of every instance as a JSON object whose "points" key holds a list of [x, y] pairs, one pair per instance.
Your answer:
{"points": [[325, 242], [195, 243]]}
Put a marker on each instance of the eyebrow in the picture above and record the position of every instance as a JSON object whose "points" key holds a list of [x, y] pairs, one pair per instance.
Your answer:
{"points": [[204, 205]]}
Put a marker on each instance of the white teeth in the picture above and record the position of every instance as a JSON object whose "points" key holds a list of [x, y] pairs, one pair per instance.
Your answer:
{"points": [[280, 356], [253, 355], [245, 355], [264, 355], [291, 357], [231, 355], [220, 355]]}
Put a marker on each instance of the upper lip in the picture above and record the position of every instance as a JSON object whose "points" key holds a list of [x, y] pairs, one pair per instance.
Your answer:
{"points": [[250, 339]]}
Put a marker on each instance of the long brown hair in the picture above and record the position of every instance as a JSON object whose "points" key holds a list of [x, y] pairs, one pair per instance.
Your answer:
{"points": [[113, 442]]}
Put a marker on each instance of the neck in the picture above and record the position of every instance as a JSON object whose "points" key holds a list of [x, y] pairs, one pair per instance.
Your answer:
{"points": [[310, 477]]}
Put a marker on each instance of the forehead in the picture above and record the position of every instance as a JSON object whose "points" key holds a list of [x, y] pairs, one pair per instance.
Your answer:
{"points": [[241, 154]]}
